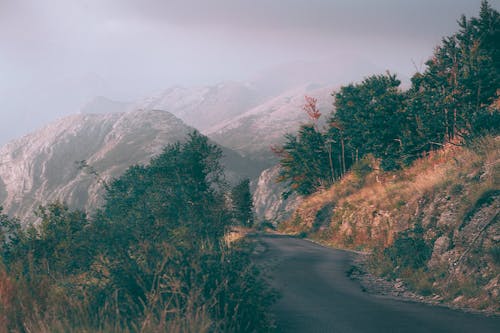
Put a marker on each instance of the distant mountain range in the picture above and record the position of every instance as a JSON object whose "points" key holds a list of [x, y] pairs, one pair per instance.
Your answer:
{"points": [[110, 136], [253, 132], [205, 106]]}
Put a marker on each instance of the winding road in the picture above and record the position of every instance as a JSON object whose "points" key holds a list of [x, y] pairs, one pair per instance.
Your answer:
{"points": [[317, 296]]}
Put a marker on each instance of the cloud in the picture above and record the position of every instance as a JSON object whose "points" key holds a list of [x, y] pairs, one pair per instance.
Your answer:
{"points": [[49, 49]]}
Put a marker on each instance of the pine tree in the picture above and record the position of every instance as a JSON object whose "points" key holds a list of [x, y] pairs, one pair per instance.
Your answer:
{"points": [[369, 119], [242, 203]]}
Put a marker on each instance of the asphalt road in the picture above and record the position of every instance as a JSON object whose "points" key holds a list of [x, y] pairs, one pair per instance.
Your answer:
{"points": [[317, 296]]}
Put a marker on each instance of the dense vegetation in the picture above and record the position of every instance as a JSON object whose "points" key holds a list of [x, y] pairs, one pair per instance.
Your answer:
{"points": [[422, 193], [452, 101], [434, 224], [153, 258]]}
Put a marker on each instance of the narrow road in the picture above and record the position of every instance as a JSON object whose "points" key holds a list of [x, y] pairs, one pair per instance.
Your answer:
{"points": [[317, 296]]}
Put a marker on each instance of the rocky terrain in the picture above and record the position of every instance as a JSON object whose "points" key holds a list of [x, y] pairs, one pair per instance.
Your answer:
{"points": [[43, 166], [111, 135], [253, 132], [267, 199], [443, 210]]}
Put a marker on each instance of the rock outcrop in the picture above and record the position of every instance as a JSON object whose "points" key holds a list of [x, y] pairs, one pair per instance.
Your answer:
{"points": [[268, 201]]}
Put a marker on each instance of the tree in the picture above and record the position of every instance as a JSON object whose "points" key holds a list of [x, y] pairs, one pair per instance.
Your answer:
{"points": [[242, 203], [62, 242], [450, 101], [10, 237], [153, 253], [304, 161], [369, 118]]}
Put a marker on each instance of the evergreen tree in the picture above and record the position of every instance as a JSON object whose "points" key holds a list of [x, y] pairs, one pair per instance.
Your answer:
{"points": [[451, 100], [242, 202], [371, 117], [304, 161]]}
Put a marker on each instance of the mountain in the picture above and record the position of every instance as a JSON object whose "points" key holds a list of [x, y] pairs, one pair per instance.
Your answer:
{"points": [[41, 167], [110, 136], [255, 131], [102, 104], [205, 106]]}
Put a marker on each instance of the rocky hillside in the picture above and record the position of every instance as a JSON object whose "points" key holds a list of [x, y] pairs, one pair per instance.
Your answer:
{"points": [[435, 224], [255, 131], [111, 135], [267, 199], [41, 167]]}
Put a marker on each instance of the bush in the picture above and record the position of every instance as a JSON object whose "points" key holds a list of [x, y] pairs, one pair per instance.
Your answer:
{"points": [[409, 250], [152, 259]]}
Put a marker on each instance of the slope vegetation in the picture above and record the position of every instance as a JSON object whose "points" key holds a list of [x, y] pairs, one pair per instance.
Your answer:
{"points": [[40, 168], [435, 224]]}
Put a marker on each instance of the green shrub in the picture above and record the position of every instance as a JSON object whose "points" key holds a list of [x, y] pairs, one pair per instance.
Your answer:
{"points": [[456, 189], [409, 249]]}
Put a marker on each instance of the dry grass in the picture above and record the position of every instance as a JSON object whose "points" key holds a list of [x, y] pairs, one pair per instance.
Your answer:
{"points": [[370, 211], [235, 234], [449, 193]]}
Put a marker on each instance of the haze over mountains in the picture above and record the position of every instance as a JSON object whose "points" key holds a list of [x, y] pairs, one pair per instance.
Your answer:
{"points": [[111, 135], [41, 167], [253, 132]]}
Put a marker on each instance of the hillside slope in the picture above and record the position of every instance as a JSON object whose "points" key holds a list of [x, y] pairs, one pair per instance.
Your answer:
{"points": [[434, 224], [41, 167]]}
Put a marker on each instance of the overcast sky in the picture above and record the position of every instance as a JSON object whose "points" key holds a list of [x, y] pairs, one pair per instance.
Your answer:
{"points": [[57, 54]]}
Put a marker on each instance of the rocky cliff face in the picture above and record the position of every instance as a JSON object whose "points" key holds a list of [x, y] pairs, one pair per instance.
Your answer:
{"points": [[41, 167], [268, 202]]}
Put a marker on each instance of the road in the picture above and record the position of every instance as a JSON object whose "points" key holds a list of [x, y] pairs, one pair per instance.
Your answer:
{"points": [[317, 296]]}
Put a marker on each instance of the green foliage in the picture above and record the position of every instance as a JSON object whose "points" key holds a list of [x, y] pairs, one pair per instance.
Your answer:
{"points": [[151, 258], [454, 100], [495, 254], [305, 161], [409, 250], [241, 198], [362, 168], [372, 117], [10, 235], [457, 189]]}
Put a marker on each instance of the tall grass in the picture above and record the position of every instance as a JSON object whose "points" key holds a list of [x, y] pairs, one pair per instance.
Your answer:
{"points": [[207, 296]]}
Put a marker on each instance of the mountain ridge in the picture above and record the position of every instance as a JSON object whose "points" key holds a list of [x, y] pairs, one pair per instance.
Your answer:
{"points": [[41, 167]]}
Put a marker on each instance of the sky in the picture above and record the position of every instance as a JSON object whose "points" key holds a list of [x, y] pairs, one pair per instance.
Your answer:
{"points": [[56, 55]]}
